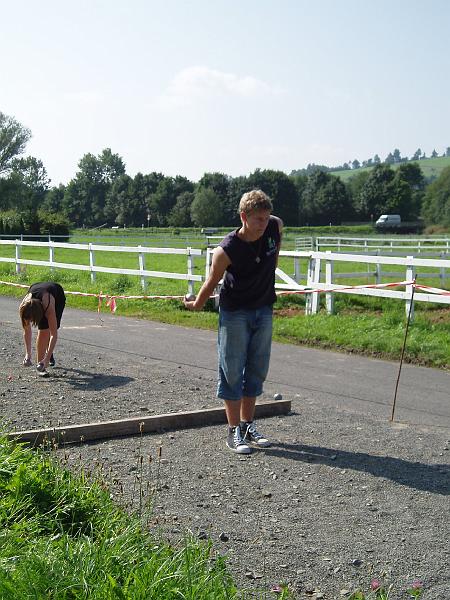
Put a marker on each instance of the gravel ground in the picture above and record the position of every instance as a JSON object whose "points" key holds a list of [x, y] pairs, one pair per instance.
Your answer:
{"points": [[338, 498]]}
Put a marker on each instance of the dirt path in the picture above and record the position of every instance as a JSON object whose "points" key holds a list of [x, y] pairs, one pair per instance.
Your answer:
{"points": [[339, 496]]}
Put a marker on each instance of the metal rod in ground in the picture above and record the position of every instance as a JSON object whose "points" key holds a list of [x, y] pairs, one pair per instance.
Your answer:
{"points": [[403, 349]]}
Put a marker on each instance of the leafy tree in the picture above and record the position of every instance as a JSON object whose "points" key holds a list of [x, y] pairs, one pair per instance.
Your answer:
{"points": [[417, 154], [389, 160], [221, 185], [354, 186], [373, 196], [325, 200], [377, 159], [436, 204], [396, 155], [162, 201], [180, 215], [9, 189], [434, 154], [85, 196], [447, 151], [120, 205], [300, 182], [13, 140], [54, 199], [412, 174], [388, 191], [206, 208], [281, 190], [356, 164], [33, 175]]}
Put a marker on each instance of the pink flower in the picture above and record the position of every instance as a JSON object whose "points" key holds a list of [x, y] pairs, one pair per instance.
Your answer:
{"points": [[375, 584], [417, 584], [276, 589]]}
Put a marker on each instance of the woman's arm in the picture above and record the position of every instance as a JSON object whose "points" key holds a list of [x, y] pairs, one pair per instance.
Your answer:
{"points": [[27, 335]]}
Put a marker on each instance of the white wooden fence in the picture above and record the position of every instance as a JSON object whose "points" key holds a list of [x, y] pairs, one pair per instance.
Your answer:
{"points": [[382, 245], [412, 268], [314, 263], [140, 251]]}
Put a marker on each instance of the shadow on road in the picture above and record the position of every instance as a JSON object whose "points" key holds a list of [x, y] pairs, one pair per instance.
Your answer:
{"points": [[86, 380], [429, 478]]}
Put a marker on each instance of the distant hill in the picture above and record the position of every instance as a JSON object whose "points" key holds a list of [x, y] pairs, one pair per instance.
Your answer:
{"points": [[431, 168]]}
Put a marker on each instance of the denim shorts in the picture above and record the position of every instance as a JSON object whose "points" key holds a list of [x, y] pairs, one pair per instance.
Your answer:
{"points": [[244, 342]]}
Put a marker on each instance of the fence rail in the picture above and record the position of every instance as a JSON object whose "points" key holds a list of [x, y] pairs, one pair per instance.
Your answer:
{"points": [[430, 246], [140, 251]]}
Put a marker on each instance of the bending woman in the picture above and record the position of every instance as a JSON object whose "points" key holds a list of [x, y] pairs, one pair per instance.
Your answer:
{"points": [[42, 307]]}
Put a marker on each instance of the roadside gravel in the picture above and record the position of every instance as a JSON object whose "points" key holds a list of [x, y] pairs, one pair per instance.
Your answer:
{"points": [[338, 498]]}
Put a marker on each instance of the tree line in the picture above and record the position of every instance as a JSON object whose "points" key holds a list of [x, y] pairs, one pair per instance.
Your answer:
{"points": [[392, 158], [102, 193]]}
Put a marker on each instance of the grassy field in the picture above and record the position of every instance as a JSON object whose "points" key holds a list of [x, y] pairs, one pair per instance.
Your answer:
{"points": [[371, 326], [431, 168]]}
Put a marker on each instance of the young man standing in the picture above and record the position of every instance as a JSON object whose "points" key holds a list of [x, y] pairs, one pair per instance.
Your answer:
{"points": [[246, 259]]}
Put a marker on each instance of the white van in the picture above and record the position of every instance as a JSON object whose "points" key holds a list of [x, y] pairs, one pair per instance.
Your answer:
{"points": [[389, 221]]}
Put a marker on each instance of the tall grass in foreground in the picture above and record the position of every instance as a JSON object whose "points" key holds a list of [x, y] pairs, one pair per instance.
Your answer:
{"points": [[62, 537]]}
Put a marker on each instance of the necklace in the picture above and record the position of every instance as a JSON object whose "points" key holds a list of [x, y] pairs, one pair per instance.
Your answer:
{"points": [[256, 252]]}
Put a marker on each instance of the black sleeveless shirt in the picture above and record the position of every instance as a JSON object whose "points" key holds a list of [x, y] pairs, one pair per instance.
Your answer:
{"points": [[249, 282], [37, 290]]}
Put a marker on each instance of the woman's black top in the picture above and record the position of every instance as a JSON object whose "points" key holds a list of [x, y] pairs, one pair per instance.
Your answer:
{"points": [[38, 290]]}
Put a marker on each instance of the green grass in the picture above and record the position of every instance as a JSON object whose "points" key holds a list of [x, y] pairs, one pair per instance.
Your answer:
{"points": [[371, 326], [431, 168], [63, 538]]}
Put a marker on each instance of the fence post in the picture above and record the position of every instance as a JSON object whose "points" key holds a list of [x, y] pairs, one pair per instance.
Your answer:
{"points": [[297, 274], [410, 275], [17, 257], [92, 261], [312, 300], [378, 271], [142, 268], [190, 268], [51, 252], [329, 296]]}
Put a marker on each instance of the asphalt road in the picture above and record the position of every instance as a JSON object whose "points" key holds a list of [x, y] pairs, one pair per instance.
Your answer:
{"points": [[329, 379]]}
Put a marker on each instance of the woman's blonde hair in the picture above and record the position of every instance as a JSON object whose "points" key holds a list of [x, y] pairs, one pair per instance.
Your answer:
{"points": [[255, 200], [30, 310]]}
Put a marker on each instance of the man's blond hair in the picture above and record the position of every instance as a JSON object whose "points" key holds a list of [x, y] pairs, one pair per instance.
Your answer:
{"points": [[255, 200]]}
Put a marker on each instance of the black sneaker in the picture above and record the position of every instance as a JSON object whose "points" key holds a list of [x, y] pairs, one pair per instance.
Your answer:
{"points": [[51, 362], [235, 441], [251, 435], [40, 369]]}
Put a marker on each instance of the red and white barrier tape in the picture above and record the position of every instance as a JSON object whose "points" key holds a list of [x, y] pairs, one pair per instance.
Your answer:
{"points": [[111, 298]]}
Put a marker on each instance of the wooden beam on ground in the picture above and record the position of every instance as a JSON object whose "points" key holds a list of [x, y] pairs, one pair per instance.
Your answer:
{"points": [[89, 432]]}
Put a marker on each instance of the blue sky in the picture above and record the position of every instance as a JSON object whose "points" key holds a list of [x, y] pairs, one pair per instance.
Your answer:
{"points": [[187, 87]]}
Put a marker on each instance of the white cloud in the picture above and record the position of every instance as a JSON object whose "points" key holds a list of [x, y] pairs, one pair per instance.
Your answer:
{"points": [[202, 83]]}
